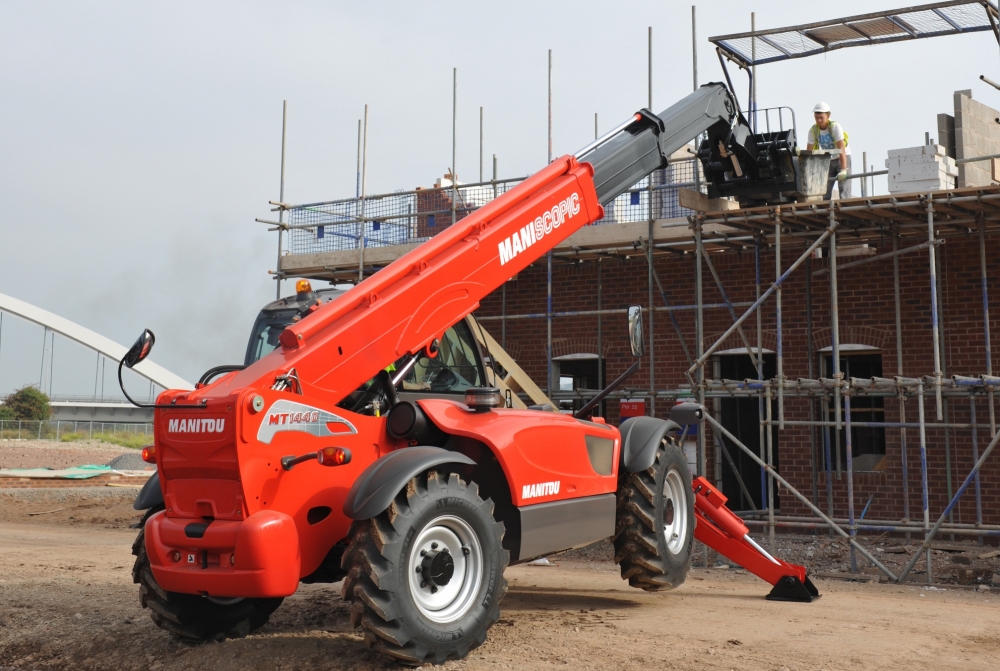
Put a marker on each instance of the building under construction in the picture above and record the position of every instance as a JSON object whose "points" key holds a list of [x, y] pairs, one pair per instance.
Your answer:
{"points": [[845, 342]]}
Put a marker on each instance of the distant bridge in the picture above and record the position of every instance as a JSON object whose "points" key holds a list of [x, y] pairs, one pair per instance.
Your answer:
{"points": [[98, 409]]}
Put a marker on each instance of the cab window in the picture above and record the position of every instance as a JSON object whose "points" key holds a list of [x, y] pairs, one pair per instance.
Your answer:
{"points": [[453, 370]]}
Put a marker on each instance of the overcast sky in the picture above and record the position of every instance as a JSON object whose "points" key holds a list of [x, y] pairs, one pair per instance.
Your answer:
{"points": [[138, 141]]}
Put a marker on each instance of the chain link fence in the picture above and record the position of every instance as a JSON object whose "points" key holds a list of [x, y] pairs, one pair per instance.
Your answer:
{"points": [[117, 432], [416, 216]]}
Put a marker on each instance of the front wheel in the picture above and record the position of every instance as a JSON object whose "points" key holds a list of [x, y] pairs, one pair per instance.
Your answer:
{"points": [[190, 617], [425, 577], [654, 529]]}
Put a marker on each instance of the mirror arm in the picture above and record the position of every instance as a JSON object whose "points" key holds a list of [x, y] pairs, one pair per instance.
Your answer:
{"points": [[585, 410], [200, 406]]}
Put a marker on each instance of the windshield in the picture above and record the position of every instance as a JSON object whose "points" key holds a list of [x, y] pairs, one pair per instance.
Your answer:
{"points": [[264, 338]]}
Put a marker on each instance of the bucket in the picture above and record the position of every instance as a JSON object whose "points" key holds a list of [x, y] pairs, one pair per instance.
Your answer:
{"points": [[814, 175]]}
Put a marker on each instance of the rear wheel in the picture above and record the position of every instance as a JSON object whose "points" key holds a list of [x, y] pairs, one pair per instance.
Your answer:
{"points": [[654, 530], [425, 577], [190, 617]]}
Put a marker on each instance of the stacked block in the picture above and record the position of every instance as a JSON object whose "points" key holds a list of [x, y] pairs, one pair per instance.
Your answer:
{"points": [[917, 169]]}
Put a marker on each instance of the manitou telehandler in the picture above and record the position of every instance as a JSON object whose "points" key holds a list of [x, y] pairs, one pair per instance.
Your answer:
{"points": [[362, 441]]}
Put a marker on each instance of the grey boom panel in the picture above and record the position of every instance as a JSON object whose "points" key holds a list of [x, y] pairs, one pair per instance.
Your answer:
{"points": [[561, 525], [645, 145]]}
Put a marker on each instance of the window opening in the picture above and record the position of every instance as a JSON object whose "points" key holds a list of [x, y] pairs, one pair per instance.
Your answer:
{"points": [[867, 443], [741, 417]]}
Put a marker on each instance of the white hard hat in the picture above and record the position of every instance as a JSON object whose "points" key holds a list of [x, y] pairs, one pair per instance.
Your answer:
{"points": [[821, 107]]}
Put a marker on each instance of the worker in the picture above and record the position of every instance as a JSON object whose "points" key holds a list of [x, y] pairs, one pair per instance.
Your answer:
{"points": [[828, 135]]}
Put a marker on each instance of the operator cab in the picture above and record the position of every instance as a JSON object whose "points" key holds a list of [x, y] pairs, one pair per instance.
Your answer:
{"points": [[457, 366], [278, 314]]}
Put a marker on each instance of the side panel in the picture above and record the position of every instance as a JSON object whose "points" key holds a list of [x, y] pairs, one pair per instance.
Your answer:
{"points": [[544, 455], [276, 432], [560, 525]]}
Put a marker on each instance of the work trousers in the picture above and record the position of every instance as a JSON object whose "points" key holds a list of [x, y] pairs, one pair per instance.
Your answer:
{"points": [[845, 186]]}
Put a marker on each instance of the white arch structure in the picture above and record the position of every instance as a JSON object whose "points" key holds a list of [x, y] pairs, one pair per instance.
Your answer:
{"points": [[109, 348]]}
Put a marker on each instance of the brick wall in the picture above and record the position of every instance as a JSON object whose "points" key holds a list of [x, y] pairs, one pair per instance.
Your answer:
{"points": [[866, 306]]}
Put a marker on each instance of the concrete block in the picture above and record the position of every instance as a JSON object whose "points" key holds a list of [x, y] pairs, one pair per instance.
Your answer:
{"points": [[921, 186], [906, 151], [930, 150], [904, 163], [976, 109], [945, 123], [963, 142], [921, 159], [980, 126], [986, 113], [931, 170], [981, 145], [962, 100]]}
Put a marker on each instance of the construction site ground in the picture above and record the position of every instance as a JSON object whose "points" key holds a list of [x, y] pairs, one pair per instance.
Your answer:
{"points": [[67, 601]]}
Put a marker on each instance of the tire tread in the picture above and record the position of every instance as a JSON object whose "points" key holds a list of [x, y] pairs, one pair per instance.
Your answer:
{"points": [[637, 550], [373, 609]]}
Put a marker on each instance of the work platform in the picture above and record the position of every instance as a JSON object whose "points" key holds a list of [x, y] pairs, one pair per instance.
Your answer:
{"points": [[863, 220]]}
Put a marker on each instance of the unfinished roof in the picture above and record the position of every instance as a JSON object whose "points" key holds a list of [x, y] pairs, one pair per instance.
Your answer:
{"points": [[910, 23], [873, 219]]}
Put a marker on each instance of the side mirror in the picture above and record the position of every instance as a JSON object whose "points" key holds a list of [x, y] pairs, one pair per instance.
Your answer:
{"points": [[140, 350], [635, 330]]}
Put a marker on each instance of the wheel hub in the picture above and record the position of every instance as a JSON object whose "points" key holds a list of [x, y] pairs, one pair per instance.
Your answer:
{"points": [[446, 567], [437, 567], [675, 516]]}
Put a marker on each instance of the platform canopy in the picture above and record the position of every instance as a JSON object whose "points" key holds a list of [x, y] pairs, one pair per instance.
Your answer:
{"points": [[897, 25]]}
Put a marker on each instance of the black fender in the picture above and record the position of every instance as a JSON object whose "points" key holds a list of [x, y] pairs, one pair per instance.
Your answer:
{"points": [[378, 484], [641, 439], [150, 494]]}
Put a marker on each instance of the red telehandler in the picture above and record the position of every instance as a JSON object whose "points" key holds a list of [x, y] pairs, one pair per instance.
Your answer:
{"points": [[368, 447]]}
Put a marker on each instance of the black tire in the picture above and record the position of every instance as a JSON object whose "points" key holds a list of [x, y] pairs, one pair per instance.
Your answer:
{"points": [[653, 506], [190, 617], [398, 610]]}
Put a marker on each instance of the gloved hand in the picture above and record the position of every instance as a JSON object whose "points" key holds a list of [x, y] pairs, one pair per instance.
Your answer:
{"points": [[841, 176], [797, 150]]}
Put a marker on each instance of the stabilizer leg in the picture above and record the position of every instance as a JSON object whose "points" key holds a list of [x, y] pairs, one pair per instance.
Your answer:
{"points": [[790, 588], [720, 529]]}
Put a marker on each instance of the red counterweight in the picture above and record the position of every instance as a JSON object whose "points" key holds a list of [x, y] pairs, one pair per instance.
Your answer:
{"points": [[723, 531]]}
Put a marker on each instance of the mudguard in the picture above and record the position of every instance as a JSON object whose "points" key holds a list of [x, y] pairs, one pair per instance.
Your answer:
{"points": [[150, 495], [378, 484], [641, 438]]}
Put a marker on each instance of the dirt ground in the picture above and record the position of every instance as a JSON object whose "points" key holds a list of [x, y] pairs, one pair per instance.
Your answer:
{"points": [[56, 454], [67, 601]]}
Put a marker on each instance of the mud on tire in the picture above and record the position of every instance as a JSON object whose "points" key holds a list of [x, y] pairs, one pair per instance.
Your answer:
{"points": [[654, 526], [414, 600], [190, 617]]}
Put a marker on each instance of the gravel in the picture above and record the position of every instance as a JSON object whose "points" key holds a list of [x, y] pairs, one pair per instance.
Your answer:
{"points": [[129, 461]]}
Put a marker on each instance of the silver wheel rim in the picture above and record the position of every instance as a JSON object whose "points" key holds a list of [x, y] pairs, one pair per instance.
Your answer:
{"points": [[675, 512], [449, 602]]}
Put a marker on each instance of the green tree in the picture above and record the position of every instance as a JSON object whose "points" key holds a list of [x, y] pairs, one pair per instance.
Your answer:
{"points": [[6, 413], [27, 403]]}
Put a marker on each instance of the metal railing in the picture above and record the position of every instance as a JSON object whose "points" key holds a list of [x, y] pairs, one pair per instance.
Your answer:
{"points": [[49, 429], [416, 216]]}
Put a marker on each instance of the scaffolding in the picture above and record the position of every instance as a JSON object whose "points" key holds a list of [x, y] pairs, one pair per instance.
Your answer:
{"points": [[915, 223]]}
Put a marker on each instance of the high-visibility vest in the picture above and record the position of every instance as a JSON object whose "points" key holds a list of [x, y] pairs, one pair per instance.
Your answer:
{"points": [[815, 131]]}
